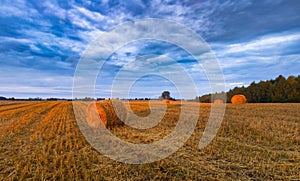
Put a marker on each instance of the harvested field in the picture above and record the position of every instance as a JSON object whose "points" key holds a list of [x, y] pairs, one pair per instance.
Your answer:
{"points": [[41, 140]]}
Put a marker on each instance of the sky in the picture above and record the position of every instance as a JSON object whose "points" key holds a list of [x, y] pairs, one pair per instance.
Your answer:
{"points": [[42, 42]]}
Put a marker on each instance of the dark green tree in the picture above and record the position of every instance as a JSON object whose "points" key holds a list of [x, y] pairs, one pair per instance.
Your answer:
{"points": [[278, 90]]}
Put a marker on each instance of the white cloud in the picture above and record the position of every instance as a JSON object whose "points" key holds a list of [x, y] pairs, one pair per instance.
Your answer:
{"points": [[94, 16], [48, 40], [263, 43], [16, 9], [237, 59], [51, 7], [12, 39], [80, 22], [261, 53], [33, 82]]}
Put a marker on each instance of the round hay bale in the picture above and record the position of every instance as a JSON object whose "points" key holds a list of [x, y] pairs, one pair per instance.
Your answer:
{"points": [[120, 110], [116, 112], [96, 116], [107, 113], [166, 101], [218, 101], [238, 99]]}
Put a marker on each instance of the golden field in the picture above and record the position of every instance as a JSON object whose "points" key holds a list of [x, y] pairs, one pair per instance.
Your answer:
{"points": [[42, 141]]}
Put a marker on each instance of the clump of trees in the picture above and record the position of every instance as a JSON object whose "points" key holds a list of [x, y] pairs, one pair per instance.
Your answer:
{"points": [[208, 98], [166, 95], [2, 98], [279, 90]]}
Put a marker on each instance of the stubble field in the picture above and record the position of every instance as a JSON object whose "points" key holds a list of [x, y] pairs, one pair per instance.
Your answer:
{"points": [[41, 140]]}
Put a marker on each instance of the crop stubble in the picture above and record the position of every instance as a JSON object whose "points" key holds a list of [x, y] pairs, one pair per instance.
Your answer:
{"points": [[41, 140]]}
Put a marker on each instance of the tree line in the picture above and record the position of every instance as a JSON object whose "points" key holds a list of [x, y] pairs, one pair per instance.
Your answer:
{"points": [[279, 90]]}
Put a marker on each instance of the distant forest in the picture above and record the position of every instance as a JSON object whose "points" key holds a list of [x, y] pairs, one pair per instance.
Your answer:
{"points": [[279, 90]]}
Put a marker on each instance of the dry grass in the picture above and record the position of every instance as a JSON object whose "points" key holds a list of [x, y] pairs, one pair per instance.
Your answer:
{"points": [[166, 101], [41, 140]]}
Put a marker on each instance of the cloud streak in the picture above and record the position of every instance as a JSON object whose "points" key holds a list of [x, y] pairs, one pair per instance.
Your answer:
{"points": [[44, 41]]}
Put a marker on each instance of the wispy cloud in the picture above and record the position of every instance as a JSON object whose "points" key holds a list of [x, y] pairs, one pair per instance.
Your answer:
{"points": [[264, 43], [44, 41], [262, 58], [23, 82]]}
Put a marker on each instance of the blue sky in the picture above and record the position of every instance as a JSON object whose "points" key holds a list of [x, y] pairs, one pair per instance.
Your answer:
{"points": [[41, 42]]}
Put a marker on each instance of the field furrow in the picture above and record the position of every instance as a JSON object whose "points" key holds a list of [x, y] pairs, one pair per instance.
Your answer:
{"points": [[14, 123], [8, 115], [7, 103], [15, 106]]}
